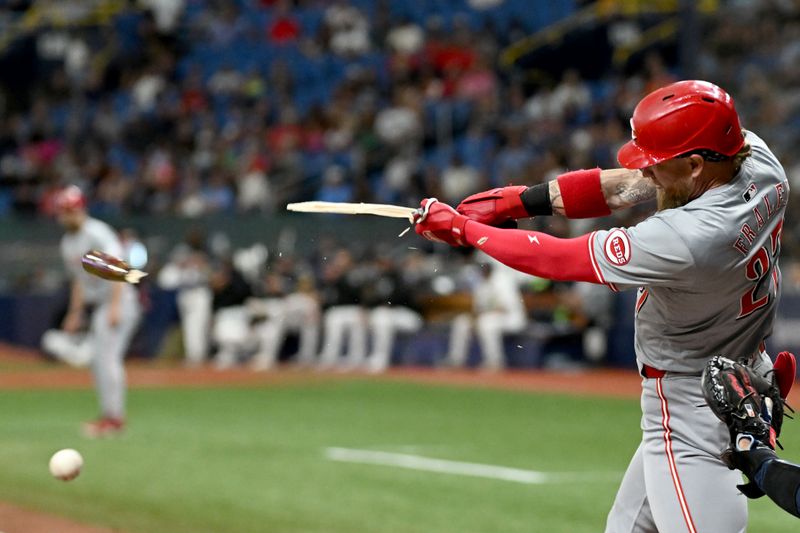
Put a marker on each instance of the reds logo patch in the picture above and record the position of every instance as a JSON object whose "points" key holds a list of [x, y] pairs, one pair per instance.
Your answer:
{"points": [[618, 247]]}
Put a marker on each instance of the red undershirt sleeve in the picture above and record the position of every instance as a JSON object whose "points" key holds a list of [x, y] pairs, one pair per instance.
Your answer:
{"points": [[537, 253]]}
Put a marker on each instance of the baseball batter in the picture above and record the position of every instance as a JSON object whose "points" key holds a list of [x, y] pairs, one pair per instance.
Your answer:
{"points": [[706, 268], [112, 308]]}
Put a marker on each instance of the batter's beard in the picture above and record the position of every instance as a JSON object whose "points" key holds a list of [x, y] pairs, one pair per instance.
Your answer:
{"points": [[676, 196]]}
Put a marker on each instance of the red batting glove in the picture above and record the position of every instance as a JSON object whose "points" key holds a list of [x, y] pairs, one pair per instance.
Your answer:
{"points": [[440, 222], [495, 207]]}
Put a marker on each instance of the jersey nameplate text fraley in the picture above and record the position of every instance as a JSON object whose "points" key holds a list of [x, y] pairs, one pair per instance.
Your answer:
{"points": [[773, 200]]}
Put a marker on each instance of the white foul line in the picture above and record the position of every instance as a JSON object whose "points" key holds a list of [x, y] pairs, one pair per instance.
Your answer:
{"points": [[443, 466]]}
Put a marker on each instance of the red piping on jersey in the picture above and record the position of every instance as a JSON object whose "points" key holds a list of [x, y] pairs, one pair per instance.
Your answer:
{"points": [[641, 300], [673, 469], [596, 265], [537, 253]]}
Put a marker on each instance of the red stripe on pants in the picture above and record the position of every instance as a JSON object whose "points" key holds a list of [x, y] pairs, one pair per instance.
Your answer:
{"points": [[673, 469]]}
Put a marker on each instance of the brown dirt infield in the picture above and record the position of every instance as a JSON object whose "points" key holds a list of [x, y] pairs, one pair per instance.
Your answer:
{"points": [[14, 519], [22, 374]]}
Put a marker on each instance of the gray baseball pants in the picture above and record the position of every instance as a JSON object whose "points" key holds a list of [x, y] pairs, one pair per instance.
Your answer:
{"points": [[109, 345]]}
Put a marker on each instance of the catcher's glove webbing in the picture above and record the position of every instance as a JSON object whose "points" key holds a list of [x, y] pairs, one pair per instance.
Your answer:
{"points": [[748, 404]]}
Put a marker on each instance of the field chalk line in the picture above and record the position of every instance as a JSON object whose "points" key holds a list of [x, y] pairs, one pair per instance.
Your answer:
{"points": [[444, 466]]}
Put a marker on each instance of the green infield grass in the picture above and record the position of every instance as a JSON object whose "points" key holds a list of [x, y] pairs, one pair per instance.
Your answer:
{"points": [[258, 459]]}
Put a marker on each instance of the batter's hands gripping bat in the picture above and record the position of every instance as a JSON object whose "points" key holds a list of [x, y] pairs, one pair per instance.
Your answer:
{"points": [[344, 208], [108, 267]]}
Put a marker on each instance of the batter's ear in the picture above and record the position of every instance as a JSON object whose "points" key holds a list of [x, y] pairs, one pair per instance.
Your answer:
{"points": [[696, 163]]}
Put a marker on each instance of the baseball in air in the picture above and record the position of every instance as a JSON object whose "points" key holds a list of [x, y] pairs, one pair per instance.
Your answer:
{"points": [[66, 464]]}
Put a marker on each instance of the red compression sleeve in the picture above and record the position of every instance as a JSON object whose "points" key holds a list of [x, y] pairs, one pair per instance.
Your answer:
{"points": [[582, 194], [537, 253]]}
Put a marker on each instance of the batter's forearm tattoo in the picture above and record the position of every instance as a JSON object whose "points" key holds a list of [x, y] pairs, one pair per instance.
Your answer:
{"points": [[555, 198], [621, 187], [635, 192]]}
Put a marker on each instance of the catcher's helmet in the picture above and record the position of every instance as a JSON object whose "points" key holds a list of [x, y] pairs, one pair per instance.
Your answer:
{"points": [[679, 118], [70, 198]]}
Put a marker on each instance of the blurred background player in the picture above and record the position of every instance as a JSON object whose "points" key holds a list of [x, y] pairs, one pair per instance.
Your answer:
{"points": [[231, 321], [344, 318], [188, 273], [287, 306], [111, 309], [393, 309], [497, 309]]}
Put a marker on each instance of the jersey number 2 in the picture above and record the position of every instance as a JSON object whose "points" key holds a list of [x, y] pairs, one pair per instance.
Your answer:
{"points": [[758, 269]]}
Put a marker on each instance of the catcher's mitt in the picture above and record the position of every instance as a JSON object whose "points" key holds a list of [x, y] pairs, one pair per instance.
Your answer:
{"points": [[746, 402], [752, 408]]}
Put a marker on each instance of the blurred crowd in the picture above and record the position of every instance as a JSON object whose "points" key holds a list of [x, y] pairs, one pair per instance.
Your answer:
{"points": [[200, 107], [193, 107]]}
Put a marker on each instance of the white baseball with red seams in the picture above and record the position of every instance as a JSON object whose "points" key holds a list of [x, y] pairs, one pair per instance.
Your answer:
{"points": [[66, 464]]}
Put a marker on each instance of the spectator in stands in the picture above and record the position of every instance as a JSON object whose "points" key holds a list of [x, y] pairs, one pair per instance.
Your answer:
{"points": [[217, 193], [400, 125], [167, 14], [459, 180], [254, 192], [498, 309], [347, 29], [571, 98], [225, 81], [479, 84], [405, 37], [225, 24], [284, 28], [335, 187], [513, 159]]}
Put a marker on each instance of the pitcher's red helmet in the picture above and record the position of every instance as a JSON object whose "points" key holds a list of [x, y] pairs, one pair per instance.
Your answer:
{"points": [[70, 198], [679, 118]]}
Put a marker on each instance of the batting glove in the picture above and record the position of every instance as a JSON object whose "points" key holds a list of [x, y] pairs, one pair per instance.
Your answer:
{"points": [[439, 222], [495, 207]]}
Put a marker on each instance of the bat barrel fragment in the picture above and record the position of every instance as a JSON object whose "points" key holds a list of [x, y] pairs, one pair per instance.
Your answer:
{"points": [[111, 268], [345, 208]]}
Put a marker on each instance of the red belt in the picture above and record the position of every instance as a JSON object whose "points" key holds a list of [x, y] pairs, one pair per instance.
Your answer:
{"points": [[651, 373]]}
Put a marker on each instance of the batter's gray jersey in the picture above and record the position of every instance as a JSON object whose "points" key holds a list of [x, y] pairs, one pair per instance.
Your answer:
{"points": [[707, 272], [93, 235]]}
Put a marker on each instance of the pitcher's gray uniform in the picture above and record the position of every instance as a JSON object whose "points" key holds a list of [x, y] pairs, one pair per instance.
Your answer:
{"points": [[709, 284], [109, 344]]}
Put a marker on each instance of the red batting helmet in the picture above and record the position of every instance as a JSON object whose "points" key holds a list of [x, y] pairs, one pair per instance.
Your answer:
{"points": [[69, 198], [679, 118]]}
